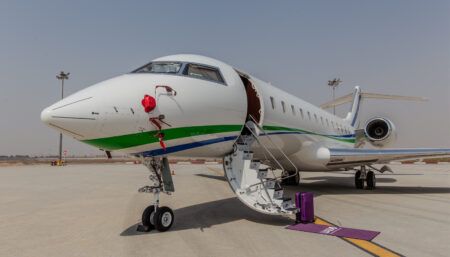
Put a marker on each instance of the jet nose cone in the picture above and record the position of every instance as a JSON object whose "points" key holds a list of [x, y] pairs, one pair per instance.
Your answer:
{"points": [[46, 115], [72, 116]]}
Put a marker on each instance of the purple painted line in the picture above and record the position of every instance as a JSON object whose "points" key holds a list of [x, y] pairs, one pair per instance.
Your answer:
{"points": [[335, 231]]}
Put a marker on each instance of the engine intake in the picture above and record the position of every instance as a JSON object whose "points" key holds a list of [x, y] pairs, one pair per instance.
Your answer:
{"points": [[379, 131]]}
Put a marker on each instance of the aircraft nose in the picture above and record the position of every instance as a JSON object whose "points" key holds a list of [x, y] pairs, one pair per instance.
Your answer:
{"points": [[75, 116]]}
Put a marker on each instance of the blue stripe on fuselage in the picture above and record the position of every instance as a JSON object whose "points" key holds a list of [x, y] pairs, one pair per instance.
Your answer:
{"points": [[187, 146], [182, 147]]}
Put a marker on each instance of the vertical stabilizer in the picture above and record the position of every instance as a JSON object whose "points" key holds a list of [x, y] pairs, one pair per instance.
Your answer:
{"points": [[353, 114]]}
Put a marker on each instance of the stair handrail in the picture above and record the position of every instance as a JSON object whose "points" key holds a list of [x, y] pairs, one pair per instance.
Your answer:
{"points": [[279, 148], [271, 155], [275, 178]]}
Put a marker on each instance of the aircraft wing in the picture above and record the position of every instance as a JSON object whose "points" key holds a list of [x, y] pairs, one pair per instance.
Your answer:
{"points": [[344, 158]]}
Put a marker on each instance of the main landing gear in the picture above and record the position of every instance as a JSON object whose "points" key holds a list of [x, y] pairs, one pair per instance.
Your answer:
{"points": [[290, 180], [154, 216], [362, 176]]}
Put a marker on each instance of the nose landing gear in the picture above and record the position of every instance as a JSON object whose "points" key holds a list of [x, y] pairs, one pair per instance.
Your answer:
{"points": [[154, 216], [362, 176]]}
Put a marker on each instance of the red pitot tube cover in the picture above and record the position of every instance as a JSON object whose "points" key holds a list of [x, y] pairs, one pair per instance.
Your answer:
{"points": [[149, 103]]}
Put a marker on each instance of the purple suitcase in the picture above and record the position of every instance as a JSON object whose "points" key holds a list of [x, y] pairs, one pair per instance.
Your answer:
{"points": [[305, 202]]}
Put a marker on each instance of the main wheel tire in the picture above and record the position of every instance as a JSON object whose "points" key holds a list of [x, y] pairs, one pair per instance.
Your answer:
{"points": [[359, 183], [296, 179], [163, 219], [371, 180], [147, 217]]}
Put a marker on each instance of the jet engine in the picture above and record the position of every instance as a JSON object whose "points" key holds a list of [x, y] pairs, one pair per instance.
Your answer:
{"points": [[380, 131]]}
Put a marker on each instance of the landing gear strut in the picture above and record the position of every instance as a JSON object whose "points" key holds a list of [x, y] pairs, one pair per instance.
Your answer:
{"points": [[362, 176], [155, 216]]}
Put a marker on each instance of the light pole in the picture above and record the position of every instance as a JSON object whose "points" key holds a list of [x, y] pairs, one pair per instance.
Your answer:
{"points": [[334, 84], [62, 76]]}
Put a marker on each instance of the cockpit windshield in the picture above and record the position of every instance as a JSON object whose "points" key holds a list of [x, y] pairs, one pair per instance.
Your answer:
{"points": [[159, 67]]}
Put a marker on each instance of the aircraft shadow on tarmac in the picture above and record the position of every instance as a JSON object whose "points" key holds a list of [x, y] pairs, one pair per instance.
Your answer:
{"points": [[222, 178], [323, 185], [205, 215]]}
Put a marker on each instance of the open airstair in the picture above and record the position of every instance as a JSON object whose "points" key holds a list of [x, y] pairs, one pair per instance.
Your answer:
{"points": [[254, 183]]}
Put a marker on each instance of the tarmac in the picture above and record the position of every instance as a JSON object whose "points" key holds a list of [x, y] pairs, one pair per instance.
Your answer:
{"points": [[93, 210]]}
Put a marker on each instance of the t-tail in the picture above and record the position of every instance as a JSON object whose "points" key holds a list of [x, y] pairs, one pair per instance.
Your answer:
{"points": [[356, 98]]}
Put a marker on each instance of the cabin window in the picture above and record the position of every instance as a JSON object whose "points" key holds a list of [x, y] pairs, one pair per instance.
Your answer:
{"points": [[272, 102], [309, 115], [315, 117], [293, 109], [321, 120], [283, 106], [203, 72], [301, 112], [159, 67], [328, 124]]}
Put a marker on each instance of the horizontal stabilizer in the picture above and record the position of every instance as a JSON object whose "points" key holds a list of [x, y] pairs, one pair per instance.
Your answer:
{"points": [[349, 97]]}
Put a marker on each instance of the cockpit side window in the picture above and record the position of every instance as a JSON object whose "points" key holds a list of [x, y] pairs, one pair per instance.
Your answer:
{"points": [[159, 67], [203, 72]]}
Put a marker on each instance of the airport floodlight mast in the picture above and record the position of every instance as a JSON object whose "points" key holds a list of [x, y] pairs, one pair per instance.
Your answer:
{"points": [[62, 76], [334, 84]]}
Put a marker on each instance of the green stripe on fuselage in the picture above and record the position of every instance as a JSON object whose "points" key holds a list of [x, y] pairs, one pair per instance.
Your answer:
{"points": [[283, 129], [148, 137], [142, 138]]}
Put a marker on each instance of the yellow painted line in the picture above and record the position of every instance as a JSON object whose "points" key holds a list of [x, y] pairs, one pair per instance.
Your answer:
{"points": [[368, 246]]}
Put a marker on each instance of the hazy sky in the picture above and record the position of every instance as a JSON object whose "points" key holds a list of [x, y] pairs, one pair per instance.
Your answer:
{"points": [[398, 47]]}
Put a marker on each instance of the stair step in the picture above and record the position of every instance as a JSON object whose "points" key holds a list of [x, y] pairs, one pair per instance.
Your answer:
{"points": [[278, 194], [289, 205], [250, 179], [255, 165], [278, 187], [248, 155], [270, 184], [262, 174]]}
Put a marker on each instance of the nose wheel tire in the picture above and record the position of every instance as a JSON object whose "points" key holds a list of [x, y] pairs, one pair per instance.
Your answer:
{"points": [[359, 183], [163, 219], [371, 180]]}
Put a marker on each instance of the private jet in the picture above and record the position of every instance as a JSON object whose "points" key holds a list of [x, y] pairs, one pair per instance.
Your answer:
{"points": [[194, 106]]}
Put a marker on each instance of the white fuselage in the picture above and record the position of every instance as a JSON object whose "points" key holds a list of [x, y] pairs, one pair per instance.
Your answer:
{"points": [[203, 119]]}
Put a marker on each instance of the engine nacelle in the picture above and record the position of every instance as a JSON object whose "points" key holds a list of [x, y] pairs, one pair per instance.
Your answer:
{"points": [[380, 131]]}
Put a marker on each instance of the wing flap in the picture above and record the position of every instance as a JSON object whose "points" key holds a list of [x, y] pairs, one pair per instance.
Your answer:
{"points": [[356, 157]]}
